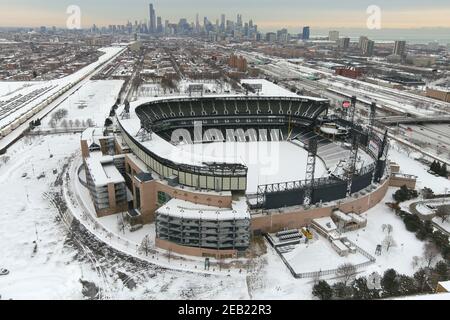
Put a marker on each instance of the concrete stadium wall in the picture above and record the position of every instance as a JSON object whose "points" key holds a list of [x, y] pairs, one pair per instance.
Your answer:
{"points": [[401, 181], [300, 218]]}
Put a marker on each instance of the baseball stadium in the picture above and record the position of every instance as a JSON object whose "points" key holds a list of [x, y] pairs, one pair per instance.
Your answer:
{"points": [[212, 171]]}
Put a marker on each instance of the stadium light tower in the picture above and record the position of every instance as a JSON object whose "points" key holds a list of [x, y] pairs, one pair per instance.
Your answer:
{"points": [[310, 170], [351, 110], [382, 156], [371, 120], [351, 166]]}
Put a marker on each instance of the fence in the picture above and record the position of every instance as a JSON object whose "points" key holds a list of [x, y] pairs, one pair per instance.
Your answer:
{"points": [[317, 274], [55, 131]]}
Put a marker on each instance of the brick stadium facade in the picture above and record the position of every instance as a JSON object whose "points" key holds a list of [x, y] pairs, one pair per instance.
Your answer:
{"points": [[149, 179]]}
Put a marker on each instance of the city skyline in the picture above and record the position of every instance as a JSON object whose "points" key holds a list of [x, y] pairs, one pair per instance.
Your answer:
{"points": [[268, 14]]}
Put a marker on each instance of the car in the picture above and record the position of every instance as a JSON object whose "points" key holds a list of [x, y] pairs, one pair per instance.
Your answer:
{"points": [[4, 272]]}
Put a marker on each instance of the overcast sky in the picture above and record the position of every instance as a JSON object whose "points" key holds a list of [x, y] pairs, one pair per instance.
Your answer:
{"points": [[268, 14]]}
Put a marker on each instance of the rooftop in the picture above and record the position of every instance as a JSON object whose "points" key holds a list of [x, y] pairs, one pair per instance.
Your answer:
{"points": [[188, 210], [102, 169]]}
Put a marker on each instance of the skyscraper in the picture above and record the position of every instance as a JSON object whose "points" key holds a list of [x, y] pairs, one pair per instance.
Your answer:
{"points": [[222, 22], [366, 46], [197, 23], [152, 23], [239, 20], [344, 43], [333, 35], [362, 40], [400, 48], [305, 34], [159, 27]]}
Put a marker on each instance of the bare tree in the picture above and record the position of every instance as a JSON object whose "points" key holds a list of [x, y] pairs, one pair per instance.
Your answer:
{"points": [[415, 262], [120, 223], [89, 122], [52, 123], [387, 228], [4, 159], [346, 271], [145, 245], [443, 212], [77, 123], [389, 242], [431, 252], [59, 114], [64, 124]]}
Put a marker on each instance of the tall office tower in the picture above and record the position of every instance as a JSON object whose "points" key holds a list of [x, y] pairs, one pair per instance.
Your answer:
{"points": [[197, 24], [222, 22], [166, 27], [305, 34], [400, 48], [239, 20], [159, 27], [333, 35], [362, 40], [246, 29], [367, 48], [344, 43], [271, 36], [152, 23], [250, 23]]}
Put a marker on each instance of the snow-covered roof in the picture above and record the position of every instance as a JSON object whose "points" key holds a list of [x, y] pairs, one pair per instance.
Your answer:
{"points": [[325, 223], [102, 169], [340, 245], [445, 285], [357, 218], [188, 210], [342, 216], [92, 135], [270, 89]]}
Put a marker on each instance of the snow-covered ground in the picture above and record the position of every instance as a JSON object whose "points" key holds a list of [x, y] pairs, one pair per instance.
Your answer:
{"points": [[29, 214], [274, 281], [319, 255], [56, 267], [406, 245], [54, 86], [9, 87], [410, 166], [212, 86], [268, 88], [93, 101], [444, 225]]}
